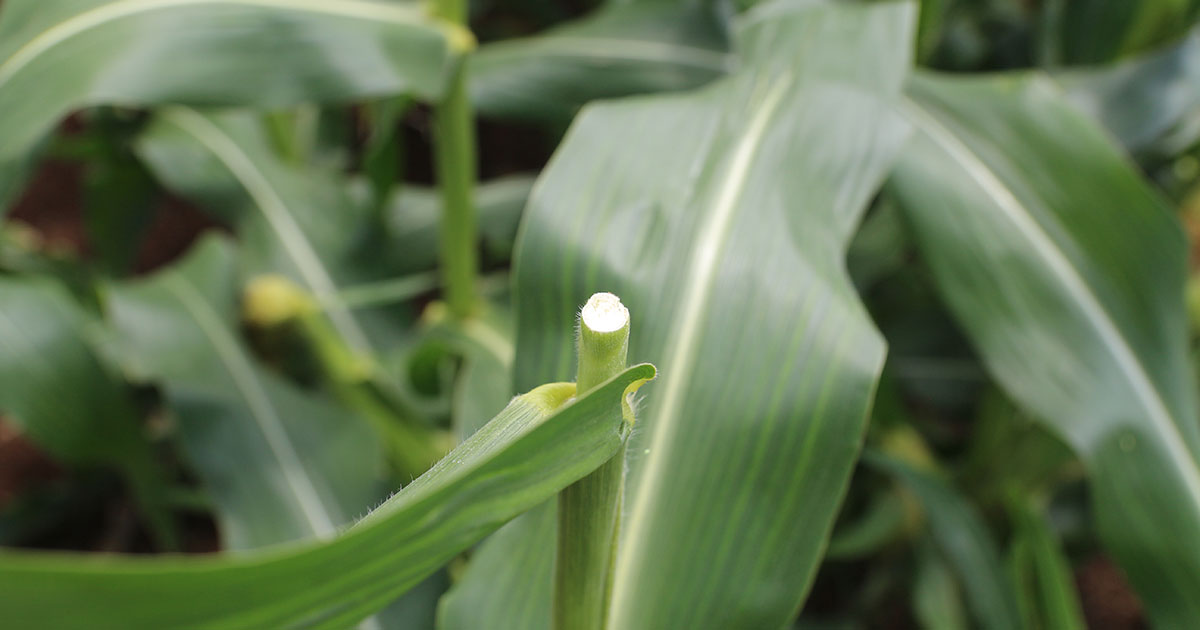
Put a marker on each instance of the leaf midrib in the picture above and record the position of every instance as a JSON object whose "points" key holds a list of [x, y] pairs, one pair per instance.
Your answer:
{"points": [[257, 401], [713, 234], [1060, 265], [275, 210]]}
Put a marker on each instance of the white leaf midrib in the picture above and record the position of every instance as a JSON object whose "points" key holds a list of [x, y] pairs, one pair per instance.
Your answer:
{"points": [[82, 22], [1060, 265], [275, 210], [259, 403], [712, 236]]}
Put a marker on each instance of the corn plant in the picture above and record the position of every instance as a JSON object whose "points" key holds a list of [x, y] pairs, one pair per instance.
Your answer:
{"points": [[862, 314]]}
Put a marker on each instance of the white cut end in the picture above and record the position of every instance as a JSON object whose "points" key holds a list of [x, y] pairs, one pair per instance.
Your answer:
{"points": [[604, 313]]}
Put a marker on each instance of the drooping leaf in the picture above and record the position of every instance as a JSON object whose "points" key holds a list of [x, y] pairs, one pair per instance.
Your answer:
{"points": [[539, 444], [1147, 100], [56, 55], [622, 49], [279, 463], [1067, 273], [721, 218], [299, 222]]}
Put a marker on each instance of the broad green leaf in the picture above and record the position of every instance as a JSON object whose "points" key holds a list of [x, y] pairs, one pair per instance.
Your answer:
{"points": [[56, 55], [721, 218], [540, 443], [963, 539], [280, 464], [619, 50], [1067, 273], [1146, 100]]}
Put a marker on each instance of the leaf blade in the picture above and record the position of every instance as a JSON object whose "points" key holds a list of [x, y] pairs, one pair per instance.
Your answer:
{"points": [[688, 200], [162, 51], [273, 480], [535, 447], [1045, 267]]}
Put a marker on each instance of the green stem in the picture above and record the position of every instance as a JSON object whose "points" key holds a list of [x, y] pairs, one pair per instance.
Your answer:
{"points": [[589, 510], [412, 448], [454, 135]]}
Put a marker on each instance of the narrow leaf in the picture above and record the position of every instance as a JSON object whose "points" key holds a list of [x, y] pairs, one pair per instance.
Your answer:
{"points": [[1043, 573], [540, 443], [964, 540]]}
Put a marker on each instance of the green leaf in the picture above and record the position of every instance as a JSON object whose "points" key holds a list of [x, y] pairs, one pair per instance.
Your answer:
{"points": [[1094, 31], [53, 386], [540, 443], [55, 389], [522, 554], [296, 221], [621, 49], [210, 52], [484, 381], [280, 464], [1144, 101], [1041, 572], [937, 603], [721, 219], [1067, 273], [963, 539], [881, 525]]}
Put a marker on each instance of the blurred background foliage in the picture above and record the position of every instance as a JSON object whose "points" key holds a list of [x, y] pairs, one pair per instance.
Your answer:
{"points": [[159, 288]]}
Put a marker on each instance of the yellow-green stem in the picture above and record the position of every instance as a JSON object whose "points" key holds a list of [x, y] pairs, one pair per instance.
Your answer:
{"points": [[454, 135], [589, 510], [271, 301], [411, 448]]}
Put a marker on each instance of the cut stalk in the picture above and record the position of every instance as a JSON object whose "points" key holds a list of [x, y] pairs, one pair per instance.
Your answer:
{"points": [[589, 510], [454, 135]]}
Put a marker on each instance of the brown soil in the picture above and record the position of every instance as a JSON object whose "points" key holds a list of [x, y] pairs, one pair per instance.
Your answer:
{"points": [[24, 465], [1108, 601]]}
